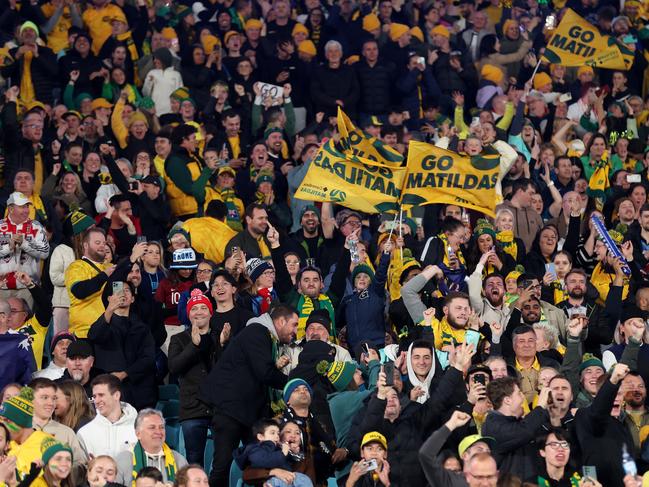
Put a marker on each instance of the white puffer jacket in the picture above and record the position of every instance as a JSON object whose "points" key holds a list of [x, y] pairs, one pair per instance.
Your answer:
{"points": [[62, 257]]}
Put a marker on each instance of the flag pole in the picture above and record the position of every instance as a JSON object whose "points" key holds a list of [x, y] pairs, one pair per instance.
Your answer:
{"points": [[538, 64], [401, 231]]}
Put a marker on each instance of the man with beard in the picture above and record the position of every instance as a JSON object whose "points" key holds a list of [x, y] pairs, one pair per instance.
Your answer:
{"points": [[79, 365], [309, 242], [635, 394], [549, 313], [252, 240], [490, 303], [597, 323]]}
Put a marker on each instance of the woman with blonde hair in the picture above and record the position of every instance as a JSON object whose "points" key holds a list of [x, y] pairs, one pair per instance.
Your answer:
{"points": [[73, 408], [67, 187], [102, 472]]}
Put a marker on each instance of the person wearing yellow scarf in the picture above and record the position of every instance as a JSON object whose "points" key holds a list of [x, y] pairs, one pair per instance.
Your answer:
{"points": [[606, 270], [505, 234]]}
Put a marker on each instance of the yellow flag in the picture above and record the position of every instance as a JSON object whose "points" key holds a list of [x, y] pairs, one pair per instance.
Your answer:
{"points": [[364, 186], [358, 145], [441, 176], [576, 42]]}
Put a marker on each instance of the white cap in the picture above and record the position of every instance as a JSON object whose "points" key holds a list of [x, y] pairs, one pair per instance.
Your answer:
{"points": [[18, 199]]}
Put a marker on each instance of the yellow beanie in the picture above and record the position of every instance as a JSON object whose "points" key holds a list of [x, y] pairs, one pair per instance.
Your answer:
{"points": [[169, 33], [209, 42], [300, 28], [307, 47], [253, 24], [541, 79], [584, 69], [508, 23], [440, 30], [371, 22], [492, 73], [137, 117], [397, 30], [417, 33]]}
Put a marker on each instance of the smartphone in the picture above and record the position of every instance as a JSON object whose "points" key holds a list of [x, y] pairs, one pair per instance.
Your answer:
{"points": [[551, 269], [141, 239], [589, 471], [550, 22], [633, 178], [388, 369], [421, 60], [566, 97], [371, 464], [472, 337], [366, 349], [234, 249], [442, 356], [118, 287], [480, 379], [577, 311], [419, 221], [132, 185]]}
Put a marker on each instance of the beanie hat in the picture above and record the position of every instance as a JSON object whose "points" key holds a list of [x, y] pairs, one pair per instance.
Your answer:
{"points": [[484, 227], [197, 297], [50, 447], [181, 231], [312, 208], [397, 30], [508, 23], [340, 374], [585, 69], [362, 269], [307, 47], [440, 30], [516, 273], [293, 384], [137, 117], [632, 311], [80, 98], [255, 267], [184, 259], [29, 25], [371, 22], [417, 33], [319, 316], [589, 360], [180, 93], [408, 265], [163, 54], [80, 222], [264, 177], [541, 79], [229, 34], [62, 335], [253, 24], [209, 42], [271, 129], [492, 73], [168, 33], [299, 28], [17, 411]]}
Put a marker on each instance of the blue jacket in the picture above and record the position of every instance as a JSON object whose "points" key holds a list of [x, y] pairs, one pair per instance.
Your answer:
{"points": [[408, 85], [262, 454], [363, 312]]}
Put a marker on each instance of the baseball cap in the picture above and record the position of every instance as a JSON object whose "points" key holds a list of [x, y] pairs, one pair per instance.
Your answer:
{"points": [[374, 437], [80, 348], [471, 440], [18, 199], [151, 180]]}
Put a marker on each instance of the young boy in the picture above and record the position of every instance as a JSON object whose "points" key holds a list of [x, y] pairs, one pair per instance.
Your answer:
{"points": [[268, 453]]}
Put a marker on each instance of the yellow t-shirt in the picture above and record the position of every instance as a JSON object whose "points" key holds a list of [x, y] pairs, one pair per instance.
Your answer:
{"points": [[83, 312], [57, 39], [28, 452], [98, 22], [236, 146]]}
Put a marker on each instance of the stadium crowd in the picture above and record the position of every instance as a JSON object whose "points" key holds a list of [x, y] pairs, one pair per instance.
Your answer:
{"points": [[171, 314]]}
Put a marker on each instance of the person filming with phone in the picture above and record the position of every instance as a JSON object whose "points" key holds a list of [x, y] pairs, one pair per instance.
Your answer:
{"points": [[373, 469]]}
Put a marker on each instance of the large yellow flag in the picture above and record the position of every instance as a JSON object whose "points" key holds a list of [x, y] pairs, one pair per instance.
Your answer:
{"points": [[358, 145], [576, 42], [365, 186], [441, 176]]}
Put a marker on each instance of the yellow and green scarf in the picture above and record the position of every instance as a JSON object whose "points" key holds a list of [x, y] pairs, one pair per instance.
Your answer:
{"points": [[304, 307], [599, 182], [229, 197], [458, 254], [139, 461], [508, 243], [574, 481]]}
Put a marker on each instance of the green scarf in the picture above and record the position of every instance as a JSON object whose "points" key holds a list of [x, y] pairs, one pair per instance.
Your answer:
{"points": [[574, 481], [139, 461], [234, 218], [304, 307], [277, 405]]}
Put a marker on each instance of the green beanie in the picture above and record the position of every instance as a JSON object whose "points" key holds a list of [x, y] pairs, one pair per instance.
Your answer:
{"points": [[51, 447], [80, 222], [362, 269], [340, 374], [589, 360], [17, 411]]}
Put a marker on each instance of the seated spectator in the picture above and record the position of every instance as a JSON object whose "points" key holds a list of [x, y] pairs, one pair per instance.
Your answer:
{"points": [[73, 408]]}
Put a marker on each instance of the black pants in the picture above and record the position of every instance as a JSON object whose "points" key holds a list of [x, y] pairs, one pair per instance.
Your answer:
{"points": [[227, 433]]}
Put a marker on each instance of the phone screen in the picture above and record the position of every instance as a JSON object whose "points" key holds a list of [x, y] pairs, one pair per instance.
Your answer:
{"points": [[388, 369], [472, 337]]}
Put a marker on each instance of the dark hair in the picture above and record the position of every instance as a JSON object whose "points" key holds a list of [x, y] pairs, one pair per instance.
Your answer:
{"points": [[487, 45], [181, 132], [558, 433], [559, 158], [261, 425], [577, 271], [422, 344], [113, 383], [308, 268], [230, 113], [522, 329], [450, 224], [216, 209], [250, 209], [282, 311], [559, 376], [499, 389], [149, 473], [42, 383], [489, 276], [525, 277], [521, 184], [455, 295]]}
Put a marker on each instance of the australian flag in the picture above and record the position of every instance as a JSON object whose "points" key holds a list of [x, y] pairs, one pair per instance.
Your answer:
{"points": [[16, 359]]}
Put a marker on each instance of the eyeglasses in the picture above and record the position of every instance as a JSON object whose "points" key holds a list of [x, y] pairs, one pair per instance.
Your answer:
{"points": [[18, 310], [555, 445], [353, 223], [34, 126], [203, 271]]}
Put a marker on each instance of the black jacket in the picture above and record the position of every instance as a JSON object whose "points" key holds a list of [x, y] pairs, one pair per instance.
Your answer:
{"points": [[406, 434], [191, 364], [601, 437], [44, 71], [238, 384], [247, 243], [126, 344], [375, 84], [329, 85], [514, 447]]}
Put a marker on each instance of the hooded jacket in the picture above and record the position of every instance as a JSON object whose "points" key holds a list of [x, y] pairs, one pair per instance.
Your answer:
{"points": [[101, 437], [237, 385], [414, 380]]}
